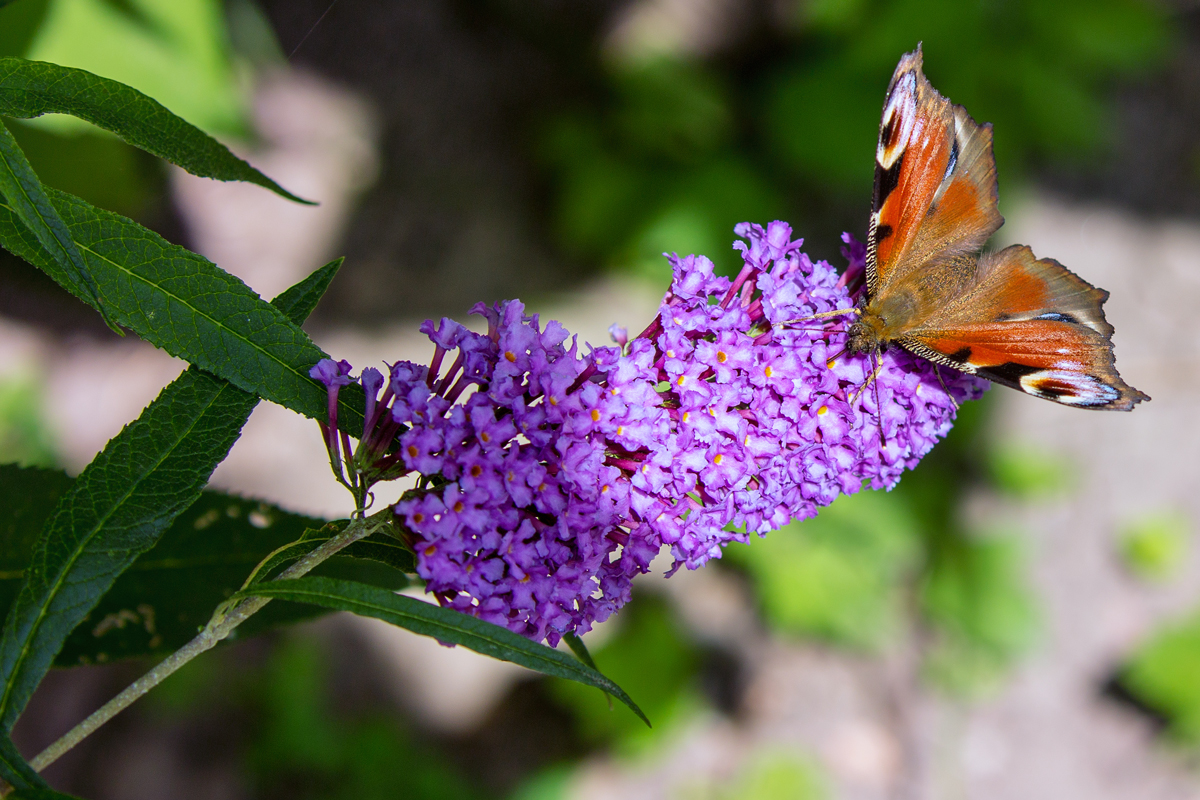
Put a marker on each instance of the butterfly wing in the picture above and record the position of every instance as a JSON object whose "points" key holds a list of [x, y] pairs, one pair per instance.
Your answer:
{"points": [[1031, 324], [935, 182]]}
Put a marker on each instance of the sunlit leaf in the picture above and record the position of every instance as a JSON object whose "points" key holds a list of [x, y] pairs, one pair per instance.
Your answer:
{"points": [[119, 507], [33, 88], [183, 303]]}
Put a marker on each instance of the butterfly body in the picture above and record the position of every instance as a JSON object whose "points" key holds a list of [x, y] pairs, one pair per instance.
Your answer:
{"points": [[1007, 316]]}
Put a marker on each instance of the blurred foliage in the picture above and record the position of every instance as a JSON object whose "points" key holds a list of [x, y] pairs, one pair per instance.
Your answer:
{"points": [[856, 573], [672, 152], [176, 51], [657, 168], [1027, 472], [838, 575], [650, 659], [549, 784], [25, 437], [300, 746], [1154, 547], [776, 776], [1162, 677], [975, 597]]}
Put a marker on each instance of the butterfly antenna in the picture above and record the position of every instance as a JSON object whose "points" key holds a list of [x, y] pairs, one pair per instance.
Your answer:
{"points": [[835, 313], [938, 371]]}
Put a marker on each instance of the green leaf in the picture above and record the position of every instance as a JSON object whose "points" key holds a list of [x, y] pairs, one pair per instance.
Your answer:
{"points": [[298, 301], [183, 303], [579, 649], [119, 507], [33, 88], [14, 768], [1162, 675], [156, 606], [27, 198], [40, 794], [444, 624]]}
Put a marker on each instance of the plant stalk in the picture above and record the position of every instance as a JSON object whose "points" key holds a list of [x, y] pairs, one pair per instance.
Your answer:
{"points": [[223, 623]]}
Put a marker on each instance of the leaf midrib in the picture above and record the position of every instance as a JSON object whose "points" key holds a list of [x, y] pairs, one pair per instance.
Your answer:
{"points": [[566, 665], [198, 312], [78, 551]]}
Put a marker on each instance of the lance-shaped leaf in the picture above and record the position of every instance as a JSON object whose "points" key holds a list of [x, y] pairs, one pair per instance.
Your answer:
{"points": [[15, 770], [443, 624], [117, 509], [32, 88], [185, 304], [27, 198], [157, 605]]}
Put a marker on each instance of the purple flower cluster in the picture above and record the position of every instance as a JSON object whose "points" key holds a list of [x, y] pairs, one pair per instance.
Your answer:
{"points": [[550, 479]]}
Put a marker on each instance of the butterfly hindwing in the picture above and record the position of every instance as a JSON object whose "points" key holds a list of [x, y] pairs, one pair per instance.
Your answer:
{"points": [[1030, 324], [935, 181]]}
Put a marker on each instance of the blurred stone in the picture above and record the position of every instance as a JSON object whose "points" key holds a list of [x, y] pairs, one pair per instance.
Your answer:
{"points": [[318, 142]]}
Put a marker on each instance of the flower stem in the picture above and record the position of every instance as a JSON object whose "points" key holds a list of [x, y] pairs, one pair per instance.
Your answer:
{"points": [[223, 623]]}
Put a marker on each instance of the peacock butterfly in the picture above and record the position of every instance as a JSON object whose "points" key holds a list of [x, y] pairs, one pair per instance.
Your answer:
{"points": [[1006, 316]]}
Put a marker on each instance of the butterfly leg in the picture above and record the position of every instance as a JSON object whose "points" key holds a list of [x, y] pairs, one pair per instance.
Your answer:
{"points": [[938, 371], [870, 379], [878, 359]]}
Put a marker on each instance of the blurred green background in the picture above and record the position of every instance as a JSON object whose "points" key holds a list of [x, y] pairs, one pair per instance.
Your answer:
{"points": [[562, 147]]}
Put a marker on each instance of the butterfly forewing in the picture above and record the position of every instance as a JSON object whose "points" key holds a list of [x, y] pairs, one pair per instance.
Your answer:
{"points": [[935, 181]]}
